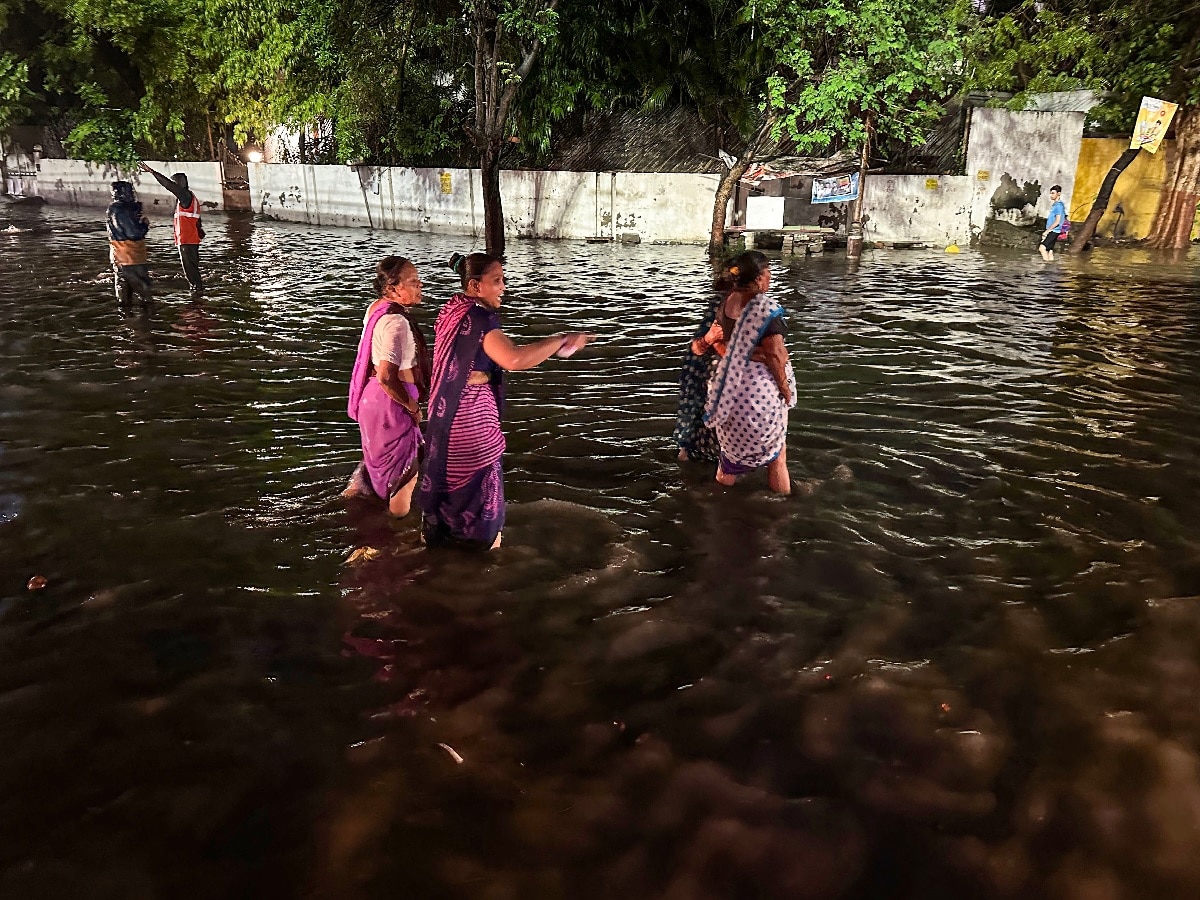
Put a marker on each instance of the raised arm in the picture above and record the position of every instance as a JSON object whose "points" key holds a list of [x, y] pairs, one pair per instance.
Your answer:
{"points": [[181, 194], [514, 358]]}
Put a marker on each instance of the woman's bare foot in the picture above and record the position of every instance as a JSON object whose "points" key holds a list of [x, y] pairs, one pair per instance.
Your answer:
{"points": [[496, 542], [683, 455], [722, 478]]}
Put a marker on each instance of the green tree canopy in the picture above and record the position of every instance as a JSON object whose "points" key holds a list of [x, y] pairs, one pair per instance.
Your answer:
{"points": [[1126, 51]]}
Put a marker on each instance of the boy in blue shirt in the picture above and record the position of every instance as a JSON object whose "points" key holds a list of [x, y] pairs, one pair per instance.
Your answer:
{"points": [[1054, 224]]}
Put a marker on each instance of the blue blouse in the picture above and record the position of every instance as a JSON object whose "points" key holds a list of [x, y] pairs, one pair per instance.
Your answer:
{"points": [[483, 362]]}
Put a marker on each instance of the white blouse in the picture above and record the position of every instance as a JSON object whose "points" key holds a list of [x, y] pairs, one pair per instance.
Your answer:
{"points": [[393, 341]]}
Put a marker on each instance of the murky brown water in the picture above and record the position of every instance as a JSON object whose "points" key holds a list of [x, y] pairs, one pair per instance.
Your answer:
{"points": [[964, 660]]}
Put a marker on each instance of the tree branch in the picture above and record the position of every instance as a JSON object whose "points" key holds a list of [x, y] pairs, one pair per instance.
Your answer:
{"points": [[523, 70], [494, 119], [480, 98]]}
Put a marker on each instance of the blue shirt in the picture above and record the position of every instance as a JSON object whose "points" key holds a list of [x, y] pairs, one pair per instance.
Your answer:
{"points": [[1058, 214]]}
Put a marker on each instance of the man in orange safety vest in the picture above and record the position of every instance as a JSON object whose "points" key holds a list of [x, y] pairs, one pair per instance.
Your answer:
{"points": [[188, 230]]}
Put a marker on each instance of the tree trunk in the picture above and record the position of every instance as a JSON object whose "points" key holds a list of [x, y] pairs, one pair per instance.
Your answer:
{"points": [[493, 206], [854, 231], [716, 237], [1176, 214], [496, 84], [1081, 237]]}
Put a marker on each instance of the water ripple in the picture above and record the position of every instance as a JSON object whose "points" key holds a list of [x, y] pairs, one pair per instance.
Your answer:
{"points": [[931, 671]]}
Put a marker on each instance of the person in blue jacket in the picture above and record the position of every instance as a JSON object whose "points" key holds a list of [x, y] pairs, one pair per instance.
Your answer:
{"points": [[1054, 224], [127, 228]]}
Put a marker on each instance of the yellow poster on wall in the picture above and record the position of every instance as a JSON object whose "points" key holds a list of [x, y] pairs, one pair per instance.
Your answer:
{"points": [[1152, 122], [447, 184]]}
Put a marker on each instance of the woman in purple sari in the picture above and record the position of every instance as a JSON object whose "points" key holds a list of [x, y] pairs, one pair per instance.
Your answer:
{"points": [[462, 491], [391, 378]]}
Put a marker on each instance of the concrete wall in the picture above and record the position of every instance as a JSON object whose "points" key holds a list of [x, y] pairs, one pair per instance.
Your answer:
{"points": [[77, 183], [1013, 158], [931, 208], [657, 207]]}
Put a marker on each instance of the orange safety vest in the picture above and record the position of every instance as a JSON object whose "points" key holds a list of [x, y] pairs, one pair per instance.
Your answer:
{"points": [[187, 222]]}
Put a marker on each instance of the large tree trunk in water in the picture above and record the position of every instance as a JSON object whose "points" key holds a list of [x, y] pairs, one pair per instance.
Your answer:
{"points": [[854, 230], [493, 205], [1080, 238], [1176, 214], [716, 237], [496, 84]]}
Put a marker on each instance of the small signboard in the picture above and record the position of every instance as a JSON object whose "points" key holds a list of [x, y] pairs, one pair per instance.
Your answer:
{"points": [[764, 213], [1153, 119], [983, 174], [836, 189], [931, 184], [447, 183]]}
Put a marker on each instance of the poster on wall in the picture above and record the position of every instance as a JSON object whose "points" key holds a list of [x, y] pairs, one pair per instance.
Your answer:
{"points": [[764, 213], [1153, 119], [836, 189]]}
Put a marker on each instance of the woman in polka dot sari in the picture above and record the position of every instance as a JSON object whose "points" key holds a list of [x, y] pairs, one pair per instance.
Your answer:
{"points": [[754, 386], [696, 441]]}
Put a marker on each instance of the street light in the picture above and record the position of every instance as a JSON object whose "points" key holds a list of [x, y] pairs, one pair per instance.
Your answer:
{"points": [[254, 156]]}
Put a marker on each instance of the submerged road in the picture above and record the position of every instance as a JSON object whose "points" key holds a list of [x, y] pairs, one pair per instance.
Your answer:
{"points": [[962, 660]]}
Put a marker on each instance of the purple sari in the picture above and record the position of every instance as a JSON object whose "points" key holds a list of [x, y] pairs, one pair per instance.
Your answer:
{"points": [[391, 440], [462, 491]]}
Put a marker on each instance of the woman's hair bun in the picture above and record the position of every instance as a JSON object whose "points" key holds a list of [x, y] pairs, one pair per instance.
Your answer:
{"points": [[456, 261]]}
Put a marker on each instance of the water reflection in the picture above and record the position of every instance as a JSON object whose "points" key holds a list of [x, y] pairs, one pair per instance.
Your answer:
{"points": [[962, 659]]}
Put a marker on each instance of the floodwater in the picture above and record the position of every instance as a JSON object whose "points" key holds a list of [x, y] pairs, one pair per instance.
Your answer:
{"points": [[963, 660]]}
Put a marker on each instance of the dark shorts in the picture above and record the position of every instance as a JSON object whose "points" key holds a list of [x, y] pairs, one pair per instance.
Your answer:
{"points": [[1050, 241]]}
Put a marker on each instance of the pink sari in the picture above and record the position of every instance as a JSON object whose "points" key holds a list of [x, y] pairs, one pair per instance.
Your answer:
{"points": [[391, 440], [462, 492]]}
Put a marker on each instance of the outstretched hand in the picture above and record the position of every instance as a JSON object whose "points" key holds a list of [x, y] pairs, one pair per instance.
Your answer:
{"points": [[573, 341], [142, 167]]}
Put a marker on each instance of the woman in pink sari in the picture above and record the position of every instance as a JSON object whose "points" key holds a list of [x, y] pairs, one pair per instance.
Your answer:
{"points": [[462, 491], [391, 378]]}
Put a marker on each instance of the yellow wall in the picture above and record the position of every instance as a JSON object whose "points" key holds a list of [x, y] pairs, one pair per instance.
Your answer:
{"points": [[1137, 189]]}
